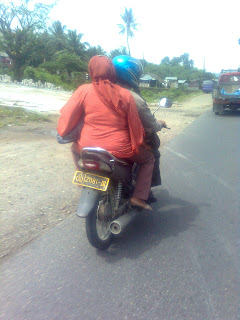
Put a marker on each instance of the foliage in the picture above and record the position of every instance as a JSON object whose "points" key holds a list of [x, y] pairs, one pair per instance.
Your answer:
{"points": [[94, 51], [19, 42], [117, 52], [74, 44], [70, 62], [58, 36], [39, 74], [62, 80], [181, 67], [55, 54], [50, 66], [153, 95], [128, 25]]}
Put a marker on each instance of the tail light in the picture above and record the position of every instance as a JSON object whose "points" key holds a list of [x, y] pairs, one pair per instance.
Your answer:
{"points": [[91, 165]]}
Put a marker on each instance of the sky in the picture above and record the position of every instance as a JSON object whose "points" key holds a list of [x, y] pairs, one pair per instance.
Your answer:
{"points": [[208, 30]]}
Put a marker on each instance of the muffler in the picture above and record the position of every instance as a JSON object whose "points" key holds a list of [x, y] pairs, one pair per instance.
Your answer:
{"points": [[118, 225]]}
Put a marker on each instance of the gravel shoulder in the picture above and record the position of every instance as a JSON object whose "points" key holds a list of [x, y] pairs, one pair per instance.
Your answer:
{"points": [[36, 174]]}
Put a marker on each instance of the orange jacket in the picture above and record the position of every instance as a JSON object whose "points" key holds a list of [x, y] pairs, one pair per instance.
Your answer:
{"points": [[121, 133]]}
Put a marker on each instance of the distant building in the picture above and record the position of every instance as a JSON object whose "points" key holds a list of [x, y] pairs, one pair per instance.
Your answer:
{"points": [[182, 83], [194, 85], [149, 81], [5, 60], [171, 82]]}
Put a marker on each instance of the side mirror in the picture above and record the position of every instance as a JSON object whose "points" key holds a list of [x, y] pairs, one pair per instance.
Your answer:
{"points": [[165, 103]]}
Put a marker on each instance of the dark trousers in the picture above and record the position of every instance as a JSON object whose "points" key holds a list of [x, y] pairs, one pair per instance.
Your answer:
{"points": [[156, 177], [154, 142]]}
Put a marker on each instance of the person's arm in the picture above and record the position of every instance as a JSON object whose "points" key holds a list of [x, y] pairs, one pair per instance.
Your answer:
{"points": [[72, 112], [147, 118]]}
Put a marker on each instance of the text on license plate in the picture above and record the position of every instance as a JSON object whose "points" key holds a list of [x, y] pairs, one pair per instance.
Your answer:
{"points": [[91, 180]]}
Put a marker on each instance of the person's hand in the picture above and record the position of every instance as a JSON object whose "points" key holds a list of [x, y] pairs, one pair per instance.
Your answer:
{"points": [[163, 123]]}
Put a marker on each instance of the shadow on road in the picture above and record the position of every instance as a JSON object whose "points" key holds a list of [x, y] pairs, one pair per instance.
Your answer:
{"points": [[170, 217], [229, 113]]}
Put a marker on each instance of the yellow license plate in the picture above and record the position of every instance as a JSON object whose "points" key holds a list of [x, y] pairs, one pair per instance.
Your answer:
{"points": [[91, 180]]}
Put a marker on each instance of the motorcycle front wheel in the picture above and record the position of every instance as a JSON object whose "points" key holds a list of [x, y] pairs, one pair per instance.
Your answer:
{"points": [[97, 225]]}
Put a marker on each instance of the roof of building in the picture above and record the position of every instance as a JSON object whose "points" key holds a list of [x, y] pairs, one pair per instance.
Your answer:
{"points": [[171, 78], [181, 81], [3, 54], [147, 77]]}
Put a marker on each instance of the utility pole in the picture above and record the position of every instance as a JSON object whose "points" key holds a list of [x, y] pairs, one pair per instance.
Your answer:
{"points": [[203, 67], [143, 63]]}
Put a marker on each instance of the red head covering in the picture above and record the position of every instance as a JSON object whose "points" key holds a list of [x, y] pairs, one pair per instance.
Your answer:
{"points": [[101, 68], [103, 76]]}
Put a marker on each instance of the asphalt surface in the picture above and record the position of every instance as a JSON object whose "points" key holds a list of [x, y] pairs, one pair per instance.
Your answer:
{"points": [[182, 262]]}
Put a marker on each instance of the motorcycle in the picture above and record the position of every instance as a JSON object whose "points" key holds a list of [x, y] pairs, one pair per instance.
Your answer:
{"points": [[107, 184]]}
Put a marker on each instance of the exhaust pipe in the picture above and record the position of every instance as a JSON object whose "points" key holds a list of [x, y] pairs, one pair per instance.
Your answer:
{"points": [[118, 225]]}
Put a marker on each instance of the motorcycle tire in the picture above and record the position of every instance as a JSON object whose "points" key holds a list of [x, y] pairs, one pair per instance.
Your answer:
{"points": [[93, 223]]}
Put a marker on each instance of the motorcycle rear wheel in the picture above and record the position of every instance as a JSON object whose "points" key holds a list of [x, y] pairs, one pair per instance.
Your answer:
{"points": [[97, 228]]}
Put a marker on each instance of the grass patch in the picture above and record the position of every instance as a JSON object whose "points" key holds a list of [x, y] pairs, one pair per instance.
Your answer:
{"points": [[18, 116], [153, 95]]}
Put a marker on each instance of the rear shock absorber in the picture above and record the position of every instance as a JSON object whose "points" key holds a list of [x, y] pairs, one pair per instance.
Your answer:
{"points": [[118, 194]]}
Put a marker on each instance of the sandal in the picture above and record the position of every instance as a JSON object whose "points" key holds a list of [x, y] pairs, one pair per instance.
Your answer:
{"points": [[140, 203]]}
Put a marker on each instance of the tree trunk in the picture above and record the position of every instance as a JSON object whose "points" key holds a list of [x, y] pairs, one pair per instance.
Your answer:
{"points": [[18, 73], [128, 45]]}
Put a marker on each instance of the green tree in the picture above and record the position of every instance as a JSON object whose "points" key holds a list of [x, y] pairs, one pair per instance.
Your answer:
{"points": [[175, 61], [186, 62], [128, 25], [166, 60], [40, 49], [95, 51], [181, 67], [19, 26], [75, 45], [69, 63], [118, 52], [59, 37]]}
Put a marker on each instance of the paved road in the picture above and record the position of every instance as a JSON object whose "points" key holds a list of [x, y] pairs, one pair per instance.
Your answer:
{"points": [[181, 264]]}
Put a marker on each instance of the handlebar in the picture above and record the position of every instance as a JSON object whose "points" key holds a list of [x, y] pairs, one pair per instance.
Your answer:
{"points": [[166, 127]]}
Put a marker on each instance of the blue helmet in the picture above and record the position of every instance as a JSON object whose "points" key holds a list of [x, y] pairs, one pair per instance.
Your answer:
{"points": [[128, 70]]}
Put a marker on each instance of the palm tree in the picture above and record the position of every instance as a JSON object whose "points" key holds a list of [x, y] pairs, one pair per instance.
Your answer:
{"points": [[58, 31], [75, 44], [128, 26], [117, 52], [95, 51]]}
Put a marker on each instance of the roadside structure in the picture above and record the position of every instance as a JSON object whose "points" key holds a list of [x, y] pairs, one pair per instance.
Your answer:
{"points": [[5, 60], [148, 80], [171, 82]]}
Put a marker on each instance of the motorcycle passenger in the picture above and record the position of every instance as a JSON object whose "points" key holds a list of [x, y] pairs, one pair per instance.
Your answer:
{"points": [[110, 121], [129, 71]]}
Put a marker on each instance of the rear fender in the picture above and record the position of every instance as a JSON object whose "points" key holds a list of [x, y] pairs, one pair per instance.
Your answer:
{"points": [[88, 200]]}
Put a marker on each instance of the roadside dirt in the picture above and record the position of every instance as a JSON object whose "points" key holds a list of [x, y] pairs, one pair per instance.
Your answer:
{"points": [[36, 174]]}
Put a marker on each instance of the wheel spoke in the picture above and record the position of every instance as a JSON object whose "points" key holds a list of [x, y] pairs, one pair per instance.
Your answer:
{"points": [[102, 226], [103, 229]]}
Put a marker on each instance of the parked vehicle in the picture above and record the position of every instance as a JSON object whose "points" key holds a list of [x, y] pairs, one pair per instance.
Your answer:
{"points": [[207, 86], [226, 93], [107, 185]]}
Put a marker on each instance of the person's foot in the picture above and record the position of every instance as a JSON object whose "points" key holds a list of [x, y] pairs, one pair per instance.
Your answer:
{"points": [[140, 203]]}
